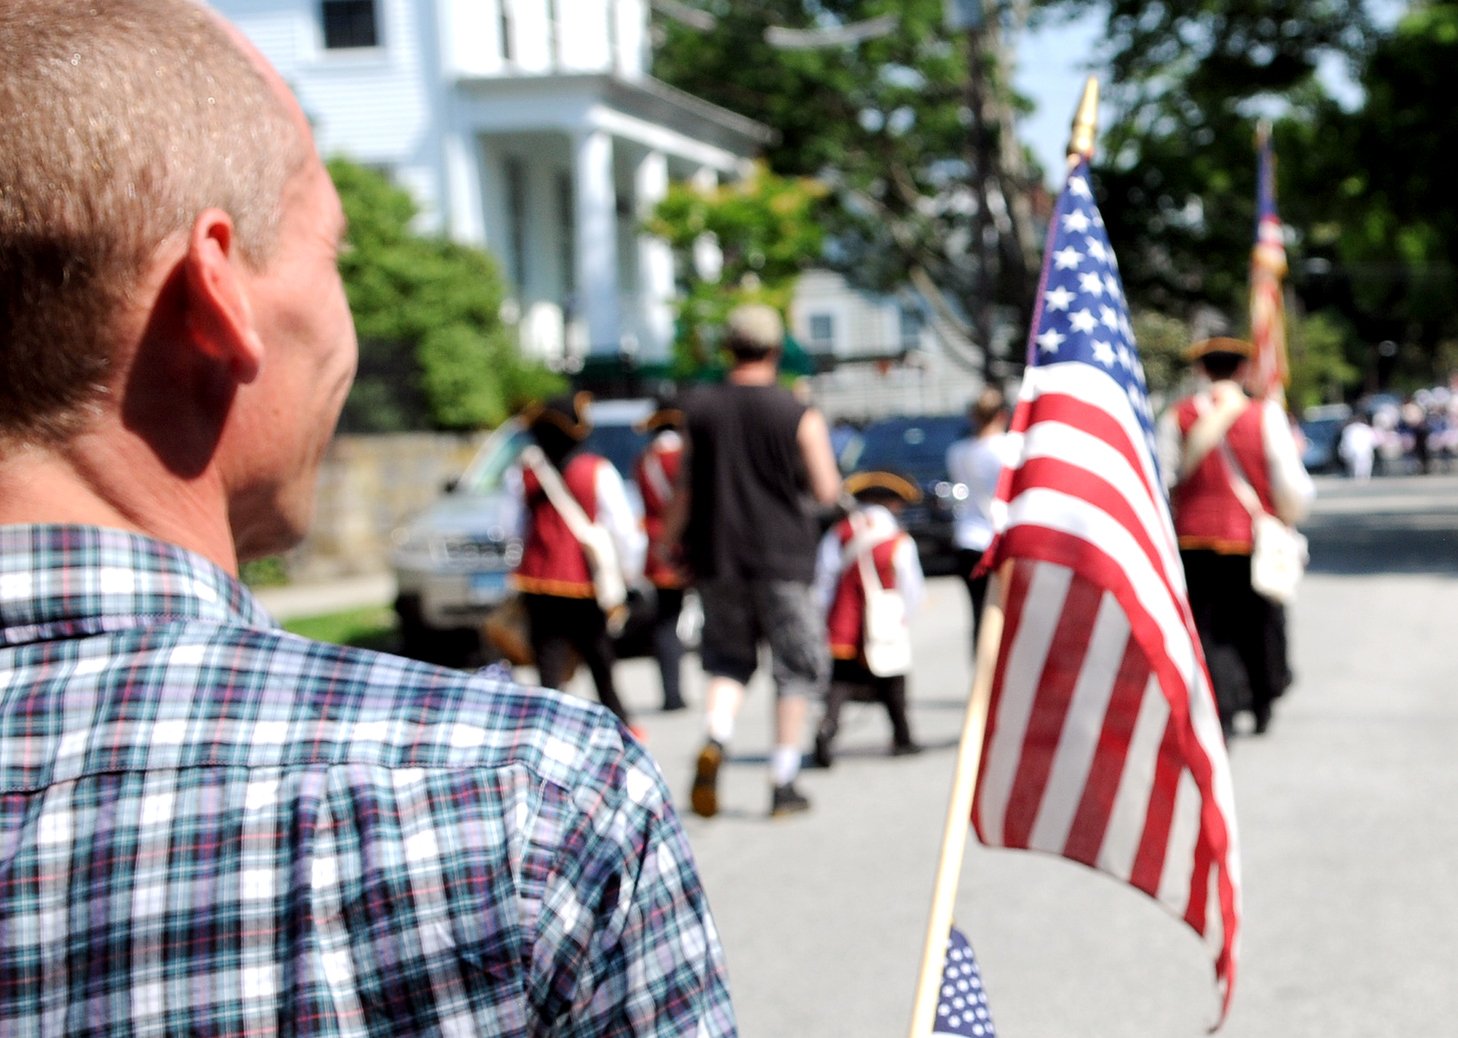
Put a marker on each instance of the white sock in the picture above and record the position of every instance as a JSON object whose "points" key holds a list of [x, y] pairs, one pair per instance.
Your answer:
{"points": [[785, 764], [721, 722]]}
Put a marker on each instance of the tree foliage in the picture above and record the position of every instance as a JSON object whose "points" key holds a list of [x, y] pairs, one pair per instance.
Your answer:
{"points": [[434, 351], [1389, 230], [888, 122], [767, 231]]}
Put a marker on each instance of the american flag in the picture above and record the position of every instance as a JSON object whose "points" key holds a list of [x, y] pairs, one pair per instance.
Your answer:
{"points": [[1268, 373], [961, 1003], [1103, 744]]}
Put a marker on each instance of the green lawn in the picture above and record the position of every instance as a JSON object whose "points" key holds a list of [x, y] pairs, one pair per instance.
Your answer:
{"points": [[369, 628]]}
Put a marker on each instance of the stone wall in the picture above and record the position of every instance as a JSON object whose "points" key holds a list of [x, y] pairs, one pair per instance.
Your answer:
{"points": [[368, 485]]}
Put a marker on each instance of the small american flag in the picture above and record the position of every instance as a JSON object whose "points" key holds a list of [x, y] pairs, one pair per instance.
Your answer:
{"points": [[1267, 267], [961, 1002], [1103, 744]]}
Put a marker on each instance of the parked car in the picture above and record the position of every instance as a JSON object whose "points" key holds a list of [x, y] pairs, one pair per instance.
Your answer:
{"points": [[915, 446], [452, 561], [1321, 434]]}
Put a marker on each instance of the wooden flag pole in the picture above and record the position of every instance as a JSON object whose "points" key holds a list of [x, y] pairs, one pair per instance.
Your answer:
{"points": [[959, 811], [969, 749]]}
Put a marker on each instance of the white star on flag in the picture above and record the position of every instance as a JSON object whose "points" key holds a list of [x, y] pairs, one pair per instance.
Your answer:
{"points": [[1059, 298]]}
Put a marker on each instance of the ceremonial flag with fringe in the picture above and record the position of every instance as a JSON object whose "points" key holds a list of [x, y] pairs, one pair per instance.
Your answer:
{"points": [[1269, 368]]}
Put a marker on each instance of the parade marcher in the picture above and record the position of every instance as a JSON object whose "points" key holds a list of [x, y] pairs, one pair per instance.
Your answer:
{"points": [[874, 529], [212, 826], [656, 472], [757, 466], [976, 462], [1358, 447], [1209, 442], [554, 575]]}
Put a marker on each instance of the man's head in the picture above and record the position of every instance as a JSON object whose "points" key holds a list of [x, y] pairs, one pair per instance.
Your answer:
{"points": [[167, 248], [1220, 357], [754, 332], [121, 121], [989, 407], [559, 425], [879, 487]]}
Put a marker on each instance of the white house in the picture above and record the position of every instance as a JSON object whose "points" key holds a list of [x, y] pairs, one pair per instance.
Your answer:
{"points": [[529, 127]]}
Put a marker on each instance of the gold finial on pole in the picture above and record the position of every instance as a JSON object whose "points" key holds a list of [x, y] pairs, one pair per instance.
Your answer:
{"points": [[1085, 123]]}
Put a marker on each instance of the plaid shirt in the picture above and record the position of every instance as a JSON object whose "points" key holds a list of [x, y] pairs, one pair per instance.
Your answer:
{"points": [[211, 827]]}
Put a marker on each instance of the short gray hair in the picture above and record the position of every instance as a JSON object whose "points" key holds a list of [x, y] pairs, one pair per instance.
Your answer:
{"points": [[121, 121], [753, 330]]}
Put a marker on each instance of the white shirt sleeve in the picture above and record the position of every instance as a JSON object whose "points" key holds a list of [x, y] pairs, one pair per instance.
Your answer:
{"points": [[1169, 447], [909, 578], [827, 569], [615, 513], [1292, 489]]}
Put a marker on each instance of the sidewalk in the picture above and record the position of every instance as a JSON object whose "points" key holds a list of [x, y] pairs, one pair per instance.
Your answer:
{"points": [[300, 600]]}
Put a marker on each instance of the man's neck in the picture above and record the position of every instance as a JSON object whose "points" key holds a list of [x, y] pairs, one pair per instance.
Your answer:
{"points": [[754, 372], [70, 484]]}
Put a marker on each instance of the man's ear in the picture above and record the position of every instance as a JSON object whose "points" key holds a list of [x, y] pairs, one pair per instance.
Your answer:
{"points": [[218, 313]]}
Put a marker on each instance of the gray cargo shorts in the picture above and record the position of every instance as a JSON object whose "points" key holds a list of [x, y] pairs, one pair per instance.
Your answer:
{"points": [[738, 613]]}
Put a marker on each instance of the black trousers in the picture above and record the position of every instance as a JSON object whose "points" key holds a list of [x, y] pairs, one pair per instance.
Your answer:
{"points": [[1236, 627], [967, 561], [667, 648], [849, 680], [564, 628]]}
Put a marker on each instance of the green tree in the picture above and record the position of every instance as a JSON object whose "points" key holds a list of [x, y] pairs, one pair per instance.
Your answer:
{"points": [[767, 230], [1389, 229], [434, 351], [910, 125], [1176, 166]]}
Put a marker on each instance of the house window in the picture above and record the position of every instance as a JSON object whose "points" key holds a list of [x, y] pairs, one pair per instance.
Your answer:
{"points": [[912, 322], [516, 210], [567, 231], [349, 24], [506, 31], [554, 35], [822, 332]]}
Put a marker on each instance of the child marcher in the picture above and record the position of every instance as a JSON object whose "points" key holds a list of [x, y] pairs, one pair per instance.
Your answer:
{"points": [[872, 529], [656, 471]]}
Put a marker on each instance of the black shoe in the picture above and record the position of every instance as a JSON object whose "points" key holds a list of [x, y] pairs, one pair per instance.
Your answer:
{"points": [[822, 755], [673, 705], [787, 800], [1262, 721], [905, 749], [704, 797]]}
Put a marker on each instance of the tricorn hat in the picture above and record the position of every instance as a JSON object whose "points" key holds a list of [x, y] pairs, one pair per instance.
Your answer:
{"points": [[1219, 344], [665, 416], [878, 484], [563, 415]]}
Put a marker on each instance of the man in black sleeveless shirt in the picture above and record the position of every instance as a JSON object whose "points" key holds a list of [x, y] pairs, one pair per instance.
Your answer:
{"points": [[757, 464]]}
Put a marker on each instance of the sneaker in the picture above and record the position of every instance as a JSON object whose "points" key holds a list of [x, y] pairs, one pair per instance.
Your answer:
{"points": [[905, 749], [787, 800], [704, 797], [822, 754]]}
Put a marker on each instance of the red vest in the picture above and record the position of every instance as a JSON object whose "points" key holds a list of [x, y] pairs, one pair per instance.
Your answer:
{"points": [[1207, 514], [845, 622], [656, 473], [552, 560]]}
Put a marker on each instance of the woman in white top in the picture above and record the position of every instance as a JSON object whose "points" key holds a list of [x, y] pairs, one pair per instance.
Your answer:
{"points": [[976, 462]]}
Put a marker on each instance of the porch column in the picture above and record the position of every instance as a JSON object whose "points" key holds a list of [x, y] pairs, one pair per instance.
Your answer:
{"points": [[596, 229], [655, 260]]}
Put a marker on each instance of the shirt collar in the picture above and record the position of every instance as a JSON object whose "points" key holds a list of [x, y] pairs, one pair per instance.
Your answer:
{"points": [[65, 580]]}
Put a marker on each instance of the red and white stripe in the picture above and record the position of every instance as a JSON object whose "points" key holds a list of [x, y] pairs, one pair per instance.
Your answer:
{"points": [[1103, 741]]}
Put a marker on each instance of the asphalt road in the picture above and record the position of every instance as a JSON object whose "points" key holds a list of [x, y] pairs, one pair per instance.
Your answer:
{"points": [[1345, 811]]}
